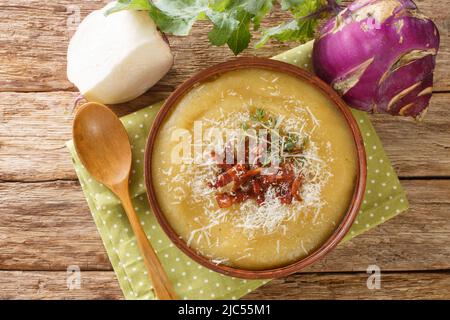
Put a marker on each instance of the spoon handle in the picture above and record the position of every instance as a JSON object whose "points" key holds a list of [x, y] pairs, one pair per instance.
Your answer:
{"points": [[161, 284]]}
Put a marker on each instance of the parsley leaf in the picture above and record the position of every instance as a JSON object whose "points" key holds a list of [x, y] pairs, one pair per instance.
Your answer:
{"points": [[258, 115]]}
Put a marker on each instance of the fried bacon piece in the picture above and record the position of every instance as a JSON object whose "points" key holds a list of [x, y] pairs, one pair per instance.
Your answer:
{"points": [[284, 193], [296, 185], [258, 191], [225, 200], [284, 174], [249, 182], [233, 174], [246, 177]]}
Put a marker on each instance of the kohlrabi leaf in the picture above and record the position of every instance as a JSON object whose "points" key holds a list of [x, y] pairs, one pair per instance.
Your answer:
{"points": [[172, 16], [258, 9], [306, 18], [224, 26], [283, 32], [177, 16], [232, 19], [287, 4], [240, 38], [129, 5]]}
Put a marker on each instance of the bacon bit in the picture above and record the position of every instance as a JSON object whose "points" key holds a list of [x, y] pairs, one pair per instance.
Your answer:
{"points": [[241, 196], [296, 186], [282, 175], [256, 186], [283, 193], [250, 183], [258, 191], [224, 200], [286, 199], [246, 177], [230, 175]]}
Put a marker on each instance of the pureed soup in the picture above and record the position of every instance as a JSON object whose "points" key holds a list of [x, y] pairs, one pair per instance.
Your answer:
{"points": [[254, 169]]}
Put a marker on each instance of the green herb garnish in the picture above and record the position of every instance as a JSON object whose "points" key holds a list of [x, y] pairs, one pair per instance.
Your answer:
{"points": [[289, 142], [232, 20], [259, 115]]}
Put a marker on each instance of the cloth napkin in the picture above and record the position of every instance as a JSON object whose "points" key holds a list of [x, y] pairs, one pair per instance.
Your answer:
{"points": [[384, 198]]}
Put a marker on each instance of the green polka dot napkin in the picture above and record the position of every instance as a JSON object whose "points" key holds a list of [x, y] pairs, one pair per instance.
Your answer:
{"points": [[384, 199]]}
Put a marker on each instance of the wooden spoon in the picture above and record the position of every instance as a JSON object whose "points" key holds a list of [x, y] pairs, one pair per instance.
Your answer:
{"points": [[104, 149]]}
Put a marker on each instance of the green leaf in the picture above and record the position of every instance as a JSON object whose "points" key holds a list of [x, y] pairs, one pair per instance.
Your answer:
{"points": [[171, 16], [259, 115], [129, 5], [259, 9], [232, 19], [303, 8], [224, 26], [306, 18], [288, 4], [177, 16], [282, 32], [240, 38]]}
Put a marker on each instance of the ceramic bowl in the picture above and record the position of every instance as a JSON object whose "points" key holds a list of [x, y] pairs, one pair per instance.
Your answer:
{"points": [[268, 64]]}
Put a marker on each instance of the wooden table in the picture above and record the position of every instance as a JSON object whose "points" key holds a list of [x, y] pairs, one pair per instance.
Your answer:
{"points": [[45, 224]]}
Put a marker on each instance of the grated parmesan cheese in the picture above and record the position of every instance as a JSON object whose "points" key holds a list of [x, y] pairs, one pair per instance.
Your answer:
{"points": [[272, 214]]}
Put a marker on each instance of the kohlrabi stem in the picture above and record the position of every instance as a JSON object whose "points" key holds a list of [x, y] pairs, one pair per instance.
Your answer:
{"points": [[332, 7]]}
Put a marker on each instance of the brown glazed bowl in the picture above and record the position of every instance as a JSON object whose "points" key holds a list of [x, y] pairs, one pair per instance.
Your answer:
{"points": [[268, 64]]}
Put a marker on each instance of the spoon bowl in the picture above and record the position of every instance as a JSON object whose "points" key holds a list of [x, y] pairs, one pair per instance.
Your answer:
{"points": [[102, 143]]}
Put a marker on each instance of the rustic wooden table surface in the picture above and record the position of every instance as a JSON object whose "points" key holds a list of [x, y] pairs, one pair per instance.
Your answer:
{"points": [[45, 224]]}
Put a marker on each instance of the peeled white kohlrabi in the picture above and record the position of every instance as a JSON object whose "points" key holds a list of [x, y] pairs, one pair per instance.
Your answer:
{"points": [[115, 58]]}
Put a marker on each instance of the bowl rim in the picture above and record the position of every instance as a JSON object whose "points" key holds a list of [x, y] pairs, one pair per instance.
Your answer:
{"points": [[272, 65]]}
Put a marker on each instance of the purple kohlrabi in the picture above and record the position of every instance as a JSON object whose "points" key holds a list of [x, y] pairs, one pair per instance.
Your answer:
{"points": [[380, 56]]}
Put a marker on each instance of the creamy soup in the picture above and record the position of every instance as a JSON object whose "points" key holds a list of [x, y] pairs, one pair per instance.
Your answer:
{"points": [[259, 213]]}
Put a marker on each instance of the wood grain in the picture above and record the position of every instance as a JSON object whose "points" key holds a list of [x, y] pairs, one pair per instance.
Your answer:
{"points": [[35, 126], [53, 285], [410, 285], [47, 226], [103, 285], [34, 38]]}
